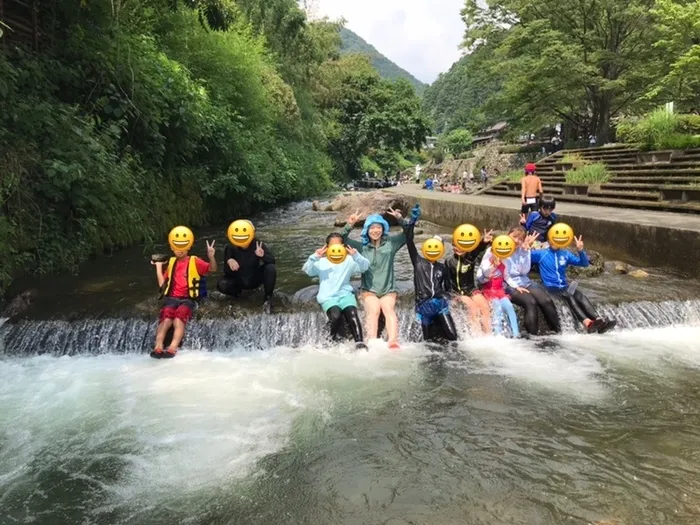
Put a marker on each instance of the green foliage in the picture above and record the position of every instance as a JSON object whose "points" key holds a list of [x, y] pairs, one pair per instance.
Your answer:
{"points": [[596, 173], [513, 175], [575, 159], [373, 117], [678, 27], [354, 44], [661, 130], [459, 98], [457, 141], [576, 62]]}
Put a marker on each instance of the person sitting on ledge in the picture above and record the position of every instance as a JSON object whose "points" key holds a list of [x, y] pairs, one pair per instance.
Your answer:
{"points": [[334, 270], [181, 284], [248, 264], [553, 262]]}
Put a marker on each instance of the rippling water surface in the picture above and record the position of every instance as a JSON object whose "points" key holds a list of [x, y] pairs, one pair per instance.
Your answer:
{"points": [[259, 421]]}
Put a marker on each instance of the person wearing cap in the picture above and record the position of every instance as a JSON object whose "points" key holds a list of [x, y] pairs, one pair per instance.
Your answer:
{"points": [[531, 190], [378, 286]]}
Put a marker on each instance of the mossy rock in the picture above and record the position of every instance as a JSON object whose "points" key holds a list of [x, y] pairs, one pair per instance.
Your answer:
{"points": [[596, 268]]}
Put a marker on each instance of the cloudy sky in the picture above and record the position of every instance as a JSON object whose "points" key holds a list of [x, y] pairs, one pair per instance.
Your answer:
{"points": [[421, 36]]}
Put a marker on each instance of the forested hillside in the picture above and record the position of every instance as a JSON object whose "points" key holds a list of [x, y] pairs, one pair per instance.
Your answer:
{"points": [[123, 120], [586, 64], [353, 43]]}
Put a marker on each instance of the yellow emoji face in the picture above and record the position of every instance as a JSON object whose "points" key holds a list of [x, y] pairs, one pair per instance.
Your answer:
{"points": [[503, 246], [433, 249], [180, 239], [241, 233], [336, 253], [560, 235], [466, 238]]}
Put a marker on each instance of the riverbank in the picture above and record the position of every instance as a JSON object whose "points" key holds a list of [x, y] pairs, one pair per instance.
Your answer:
{"points": [[642, 238]]}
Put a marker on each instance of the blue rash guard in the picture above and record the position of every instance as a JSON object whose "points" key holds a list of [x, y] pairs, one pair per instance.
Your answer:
{"points": [[553, 265], [538, 223]]}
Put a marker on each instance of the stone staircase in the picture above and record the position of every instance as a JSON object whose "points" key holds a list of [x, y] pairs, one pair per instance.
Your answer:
{"points": [[658, 180]]}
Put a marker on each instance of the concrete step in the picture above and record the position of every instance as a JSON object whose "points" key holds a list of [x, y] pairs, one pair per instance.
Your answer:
{"points": [[626, 187], [660, 179], [636, 195], [616, 202]]}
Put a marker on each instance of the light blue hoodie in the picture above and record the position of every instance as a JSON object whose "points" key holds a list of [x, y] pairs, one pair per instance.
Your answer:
{"points": [[334, 279]]}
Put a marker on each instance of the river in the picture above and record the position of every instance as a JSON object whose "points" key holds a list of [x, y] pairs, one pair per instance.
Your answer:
{"points": [[259, 421]]}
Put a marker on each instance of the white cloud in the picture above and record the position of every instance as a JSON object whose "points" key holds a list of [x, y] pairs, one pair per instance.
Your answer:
{"points": [[421, 36]]}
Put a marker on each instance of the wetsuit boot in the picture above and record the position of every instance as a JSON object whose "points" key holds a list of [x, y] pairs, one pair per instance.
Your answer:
{"points": [[352, 321]]}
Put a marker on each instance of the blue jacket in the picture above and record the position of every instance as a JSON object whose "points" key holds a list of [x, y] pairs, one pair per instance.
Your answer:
{"points": [[537, 223], [334, 279], [553, 265]]}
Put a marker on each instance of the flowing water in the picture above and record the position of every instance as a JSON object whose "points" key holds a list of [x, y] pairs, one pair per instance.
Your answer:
{"points": [[259, 421]]}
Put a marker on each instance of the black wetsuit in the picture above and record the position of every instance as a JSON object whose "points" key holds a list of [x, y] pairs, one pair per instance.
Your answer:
{"points": [[538, 297], [336, 316], [461, 270], [253, 271], [432, 288]]}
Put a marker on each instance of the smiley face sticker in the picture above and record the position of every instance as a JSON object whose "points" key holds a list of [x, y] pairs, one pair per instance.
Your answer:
{"points": [[503, 246], [241, 233], [560, 235], [336, 253], [180, 239], [466, 238]]}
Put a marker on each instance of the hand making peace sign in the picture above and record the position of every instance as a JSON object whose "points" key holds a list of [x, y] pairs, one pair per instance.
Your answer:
{"points": [[488, 236], [259, 249], [528, 240], [211, 251], [354, 218], [579, 242], [396, 214]]}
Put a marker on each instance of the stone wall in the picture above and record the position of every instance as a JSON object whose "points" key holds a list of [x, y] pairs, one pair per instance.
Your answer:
{"points": [[656, 243]]}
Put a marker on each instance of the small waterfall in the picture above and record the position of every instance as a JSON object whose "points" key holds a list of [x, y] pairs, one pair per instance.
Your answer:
{"points": [[259, 332]]}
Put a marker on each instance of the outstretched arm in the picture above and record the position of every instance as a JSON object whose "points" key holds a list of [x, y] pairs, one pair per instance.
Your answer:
{"points": [[410, 235]]}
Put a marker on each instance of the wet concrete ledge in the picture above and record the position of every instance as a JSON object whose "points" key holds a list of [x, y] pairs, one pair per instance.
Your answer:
{"points": [[643, 238]]}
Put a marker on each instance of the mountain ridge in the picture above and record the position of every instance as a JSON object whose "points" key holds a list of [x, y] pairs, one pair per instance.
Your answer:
{"points": [[353, 43]]}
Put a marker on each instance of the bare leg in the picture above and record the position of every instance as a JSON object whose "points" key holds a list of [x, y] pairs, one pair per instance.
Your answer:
{"points": [[473, 310], [372, 309], [178, 335], [388, 302], [162, 331], [482, 303]]}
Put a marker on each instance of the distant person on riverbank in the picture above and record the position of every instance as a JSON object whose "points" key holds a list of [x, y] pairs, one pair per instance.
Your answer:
{"points": [[467, 246], [553, 263], [180, 285], [334, 265], [378, 288], [531, 296], [539, 222], [431, 282], [249, 264], [484, 175], [531, 190]]}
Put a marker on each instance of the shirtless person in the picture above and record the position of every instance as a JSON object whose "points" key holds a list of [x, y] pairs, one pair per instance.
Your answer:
{"points": [[531, 190]]}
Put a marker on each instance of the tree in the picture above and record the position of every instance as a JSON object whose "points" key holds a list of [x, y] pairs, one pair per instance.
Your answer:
{"points": [[678, 26], [458, 141], [580, 61]]}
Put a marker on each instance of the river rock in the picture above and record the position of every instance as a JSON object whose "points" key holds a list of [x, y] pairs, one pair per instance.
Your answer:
{"points": [[368, 203], [620, 267], [20, 303], [316, 206], [596, 268], [638, 274]]}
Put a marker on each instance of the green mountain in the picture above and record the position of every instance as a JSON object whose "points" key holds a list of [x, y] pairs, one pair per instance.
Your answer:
{"points": [[352, 43]]}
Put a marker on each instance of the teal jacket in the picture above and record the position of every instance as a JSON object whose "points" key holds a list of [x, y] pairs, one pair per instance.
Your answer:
{"points": [[379, 279], [334, 279]]}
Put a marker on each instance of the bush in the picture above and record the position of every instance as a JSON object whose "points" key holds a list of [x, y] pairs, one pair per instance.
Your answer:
{"points": [[513, 175], [575, 159], [661, 130], [589, 174]]}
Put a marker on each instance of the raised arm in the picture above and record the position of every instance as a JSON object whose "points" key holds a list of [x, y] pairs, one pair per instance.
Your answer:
{"points": [[310, 267], [410, 244]]}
